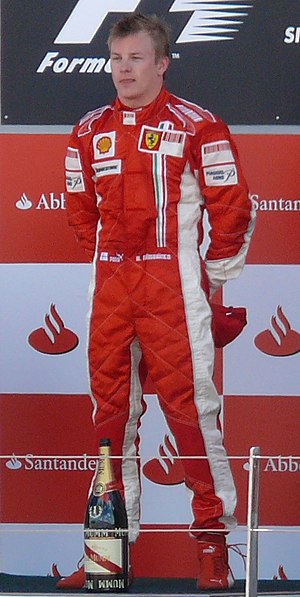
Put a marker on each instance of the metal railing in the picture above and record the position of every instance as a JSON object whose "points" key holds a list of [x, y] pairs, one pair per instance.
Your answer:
{"points": [[253, 530], [252, 523]]}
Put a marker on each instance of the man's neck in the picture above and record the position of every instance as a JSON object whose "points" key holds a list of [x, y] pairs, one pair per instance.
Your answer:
{"points": [[135, 105]]}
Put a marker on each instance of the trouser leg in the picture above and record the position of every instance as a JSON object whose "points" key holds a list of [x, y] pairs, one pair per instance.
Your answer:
{"points": [[114, 356], [175, 333]]}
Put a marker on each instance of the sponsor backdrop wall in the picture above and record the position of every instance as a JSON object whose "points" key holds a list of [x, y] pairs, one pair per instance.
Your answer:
{"points": [[46, 434]]}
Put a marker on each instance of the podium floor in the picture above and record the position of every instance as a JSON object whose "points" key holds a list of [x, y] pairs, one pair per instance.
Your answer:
{"points": [[25, 586]]}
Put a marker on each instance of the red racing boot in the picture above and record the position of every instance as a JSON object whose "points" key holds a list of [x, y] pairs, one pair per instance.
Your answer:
{"points": [[76, 580], [214, 570]]}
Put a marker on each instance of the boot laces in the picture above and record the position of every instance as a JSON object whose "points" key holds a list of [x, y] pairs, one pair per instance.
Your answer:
{"points": [[236, 547]]}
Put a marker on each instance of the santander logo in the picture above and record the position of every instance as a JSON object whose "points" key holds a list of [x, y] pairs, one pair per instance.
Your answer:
{"points": [[281, 340], [54, 338], [167, 469], [14, 463], [24, 203]]}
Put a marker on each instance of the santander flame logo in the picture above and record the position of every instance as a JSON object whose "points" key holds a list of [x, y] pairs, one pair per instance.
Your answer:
{"points": [[24, 203], [281, 340], [54, 338], [167, 469], [13, 463]]}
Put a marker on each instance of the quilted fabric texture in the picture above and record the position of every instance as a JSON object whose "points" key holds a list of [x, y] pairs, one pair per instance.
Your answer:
{"points": [[138, 184]]}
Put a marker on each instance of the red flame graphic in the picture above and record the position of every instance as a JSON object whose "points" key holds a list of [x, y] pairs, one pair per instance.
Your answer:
{"points": [[58, 340], [281, 573], [284, 343], [55, 571], [166, 471]]}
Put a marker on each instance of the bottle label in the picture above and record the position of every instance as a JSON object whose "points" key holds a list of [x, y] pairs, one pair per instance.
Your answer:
{"points": [[103, 556]]}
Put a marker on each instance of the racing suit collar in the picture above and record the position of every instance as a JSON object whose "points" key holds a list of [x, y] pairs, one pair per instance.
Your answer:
{"points": [[142, 114]]}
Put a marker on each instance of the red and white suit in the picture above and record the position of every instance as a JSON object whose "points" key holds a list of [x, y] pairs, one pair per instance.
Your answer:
{"points": [[138, 182]]}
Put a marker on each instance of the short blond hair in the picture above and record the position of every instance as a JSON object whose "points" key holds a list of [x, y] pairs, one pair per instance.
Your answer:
{"points": [[136, 22]]}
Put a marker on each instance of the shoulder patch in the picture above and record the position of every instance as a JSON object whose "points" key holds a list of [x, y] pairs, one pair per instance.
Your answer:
{"points": [[189, 112], [186, 123], [223, 175], [217, 152], [85, 124], [72, 160], [74, 182], [196, 113]]}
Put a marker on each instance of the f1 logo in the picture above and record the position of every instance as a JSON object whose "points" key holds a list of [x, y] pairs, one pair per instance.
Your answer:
{"points": [[210, 20], [86, 18]]}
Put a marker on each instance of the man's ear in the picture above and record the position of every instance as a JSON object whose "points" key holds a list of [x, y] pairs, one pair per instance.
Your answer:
{"points": [[163, 65]]}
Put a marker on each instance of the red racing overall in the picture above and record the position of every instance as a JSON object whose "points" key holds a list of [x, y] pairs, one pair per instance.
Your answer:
{"points": [[138, 183]]}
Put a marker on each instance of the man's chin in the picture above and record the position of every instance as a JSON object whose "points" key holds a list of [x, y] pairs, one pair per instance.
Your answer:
{"points": [[131, 100]]}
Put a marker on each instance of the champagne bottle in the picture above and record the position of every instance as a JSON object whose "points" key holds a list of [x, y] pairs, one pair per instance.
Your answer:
{"points": [[106, 560]]}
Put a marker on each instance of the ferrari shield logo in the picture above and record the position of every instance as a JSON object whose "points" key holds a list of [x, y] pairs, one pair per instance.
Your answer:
{"points": [[151, 139], [163, 141]]}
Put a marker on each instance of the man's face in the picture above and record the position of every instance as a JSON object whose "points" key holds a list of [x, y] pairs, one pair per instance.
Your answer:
{"points": [[136, 74]]}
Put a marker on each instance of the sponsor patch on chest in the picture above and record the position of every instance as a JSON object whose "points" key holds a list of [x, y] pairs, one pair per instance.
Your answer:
{"points": [[104, 145], [169, 142], [129, 118], [107, 167]]}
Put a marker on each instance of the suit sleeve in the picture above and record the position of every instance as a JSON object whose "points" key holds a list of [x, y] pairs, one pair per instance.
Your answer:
{"points": [[230, 211], [81, 203]]}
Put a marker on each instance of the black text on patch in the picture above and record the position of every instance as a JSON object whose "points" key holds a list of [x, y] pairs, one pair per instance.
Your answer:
{"points": [[220, 175], [106, 168]]}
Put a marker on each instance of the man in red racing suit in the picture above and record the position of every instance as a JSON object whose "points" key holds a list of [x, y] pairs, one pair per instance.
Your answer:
{"points": [[139, 176]]}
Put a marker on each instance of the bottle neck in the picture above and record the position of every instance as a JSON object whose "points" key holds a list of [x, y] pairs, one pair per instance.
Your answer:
{"points": [[105, 478]]}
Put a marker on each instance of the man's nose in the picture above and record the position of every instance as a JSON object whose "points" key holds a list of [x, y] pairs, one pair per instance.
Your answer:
{"points": [[125, 65]]}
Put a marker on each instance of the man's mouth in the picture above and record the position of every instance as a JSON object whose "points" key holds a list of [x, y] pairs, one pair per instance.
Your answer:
{"points": [[126, 81]]}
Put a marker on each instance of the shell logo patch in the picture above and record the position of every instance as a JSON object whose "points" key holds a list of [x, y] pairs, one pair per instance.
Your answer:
{"points": [[104, 145]]}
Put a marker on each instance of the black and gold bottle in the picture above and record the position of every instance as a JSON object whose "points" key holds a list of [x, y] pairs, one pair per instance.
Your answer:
{"points": [[106, 530]]}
